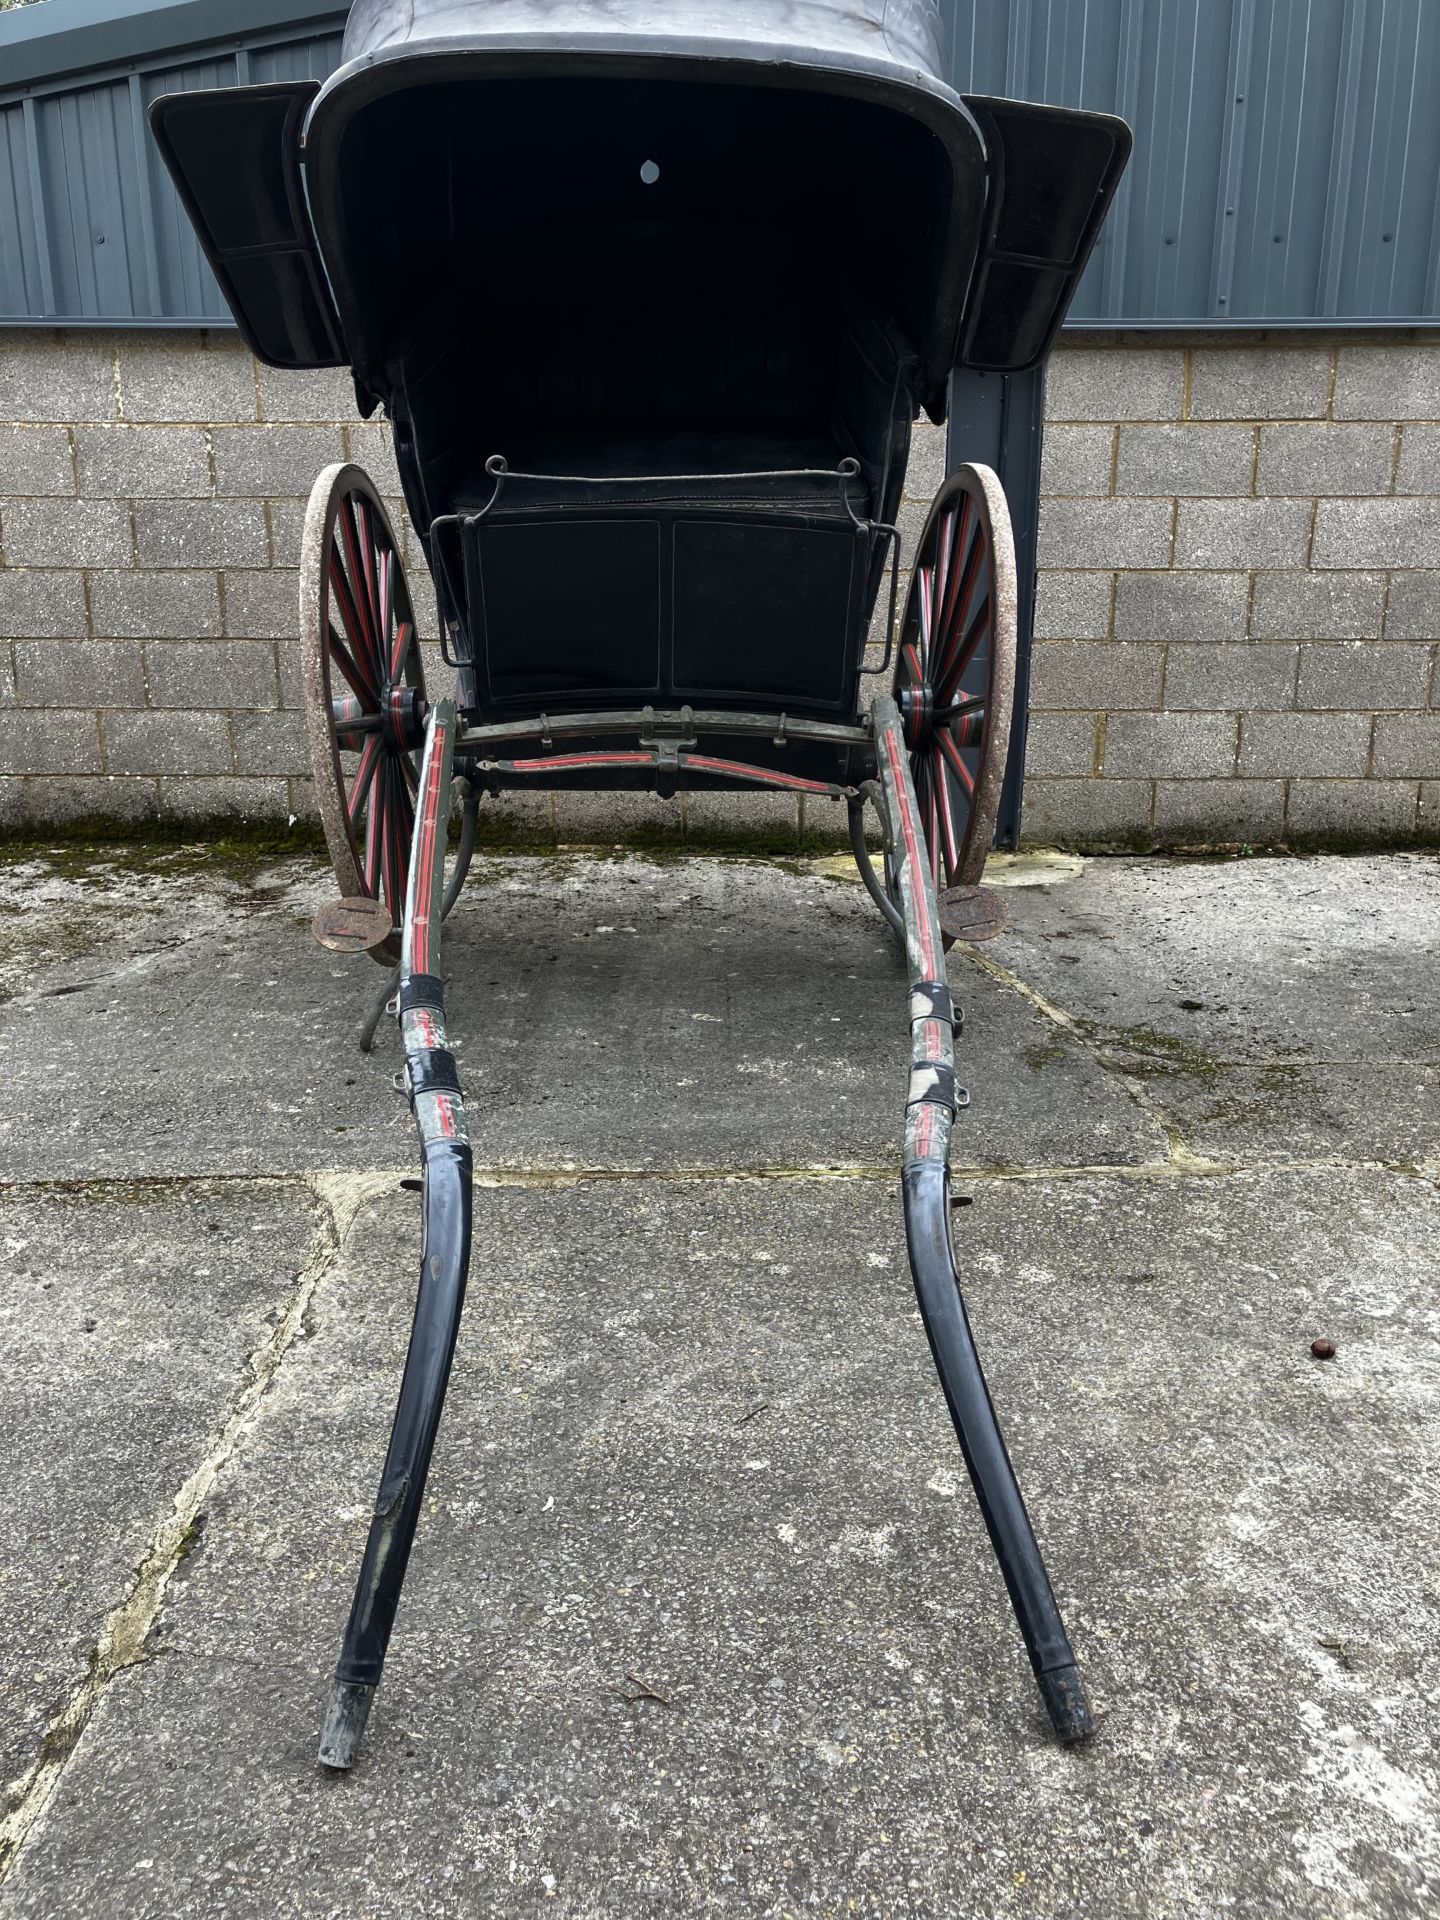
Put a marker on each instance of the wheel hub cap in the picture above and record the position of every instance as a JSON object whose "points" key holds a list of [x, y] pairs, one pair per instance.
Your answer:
{"points": [[403, 715], [917, 715]]}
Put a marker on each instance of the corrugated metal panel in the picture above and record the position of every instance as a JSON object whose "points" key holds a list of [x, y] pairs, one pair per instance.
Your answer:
{"points": [[1286, 169], [1287, 152], [91, 232]]}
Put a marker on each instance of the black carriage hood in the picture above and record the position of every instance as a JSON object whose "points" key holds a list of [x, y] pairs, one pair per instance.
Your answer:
{"points": [[888, 52], [902, 35]]}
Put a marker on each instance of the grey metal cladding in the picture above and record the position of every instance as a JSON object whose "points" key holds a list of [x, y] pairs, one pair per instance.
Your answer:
{"points": [[1286, 166], [91, 232], [1287, 152]]}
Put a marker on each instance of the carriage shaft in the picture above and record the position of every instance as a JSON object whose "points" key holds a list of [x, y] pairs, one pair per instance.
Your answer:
{"points": [[434, 1089], [930, 1111]]}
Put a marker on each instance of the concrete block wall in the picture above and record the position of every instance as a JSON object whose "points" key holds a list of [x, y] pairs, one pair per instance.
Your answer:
{"points": [[1237, 626], [1239, 596]]}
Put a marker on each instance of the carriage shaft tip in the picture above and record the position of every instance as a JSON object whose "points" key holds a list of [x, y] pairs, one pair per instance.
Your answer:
{"points": [[345, 1719], [1069, 1710]]}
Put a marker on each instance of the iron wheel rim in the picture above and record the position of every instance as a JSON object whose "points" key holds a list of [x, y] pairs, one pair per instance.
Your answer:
{"points": [[365, 690], [955, 671]]}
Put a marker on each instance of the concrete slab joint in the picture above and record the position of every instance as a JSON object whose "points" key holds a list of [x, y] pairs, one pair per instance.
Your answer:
{"points": [[704, 1618]]}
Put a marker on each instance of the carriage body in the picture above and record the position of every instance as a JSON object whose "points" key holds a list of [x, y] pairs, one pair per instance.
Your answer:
{"points": [[651, 293]]}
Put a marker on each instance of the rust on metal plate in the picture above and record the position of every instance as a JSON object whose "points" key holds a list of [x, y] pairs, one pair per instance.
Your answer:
{"points": [[356, 925], [973, 913]]}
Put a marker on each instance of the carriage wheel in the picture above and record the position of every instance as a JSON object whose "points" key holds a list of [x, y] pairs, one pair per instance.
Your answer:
{"points": [[365, 705], [955, 675]]}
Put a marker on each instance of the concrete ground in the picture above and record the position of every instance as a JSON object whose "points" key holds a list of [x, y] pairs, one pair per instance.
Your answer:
{"points": [[702, 1619]]}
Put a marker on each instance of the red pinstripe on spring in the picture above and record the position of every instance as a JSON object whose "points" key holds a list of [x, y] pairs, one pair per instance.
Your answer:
{"points": [[764, 776], [564, 762], [693, 762]]}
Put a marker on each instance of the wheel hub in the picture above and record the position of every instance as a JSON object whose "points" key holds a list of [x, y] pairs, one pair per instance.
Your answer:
{"points": [[917, 715], [403, 714]]}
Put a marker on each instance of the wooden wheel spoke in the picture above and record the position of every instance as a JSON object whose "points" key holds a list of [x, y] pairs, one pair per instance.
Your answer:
{"points": [[949, 838], [969, 579], [401, 648], [371, 584], [911, 656], [932, 823], [970, 537], [360, 655], [398, 840], [374, 829], [980, 626], [356, 597], [963, 534], [363, 781], [386, 602], [923, 605], [956, 761], [402, 795], [941, 571], [386, 791], [351, 672], [412, 778]]}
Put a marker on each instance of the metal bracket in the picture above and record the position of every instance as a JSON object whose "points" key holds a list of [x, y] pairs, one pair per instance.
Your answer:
{"points": [[668, 734]]}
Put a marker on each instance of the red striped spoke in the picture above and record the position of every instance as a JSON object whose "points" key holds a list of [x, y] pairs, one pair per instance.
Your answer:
{"points": [[356, 597], [956, 759], [351, 671], [912, 660], [390, 849], [969, 579], [404, 805], [370, 582], [373, 829], [943, 548], [386, 603], [402, 820], [407, 767], [361, 657], [950, 839], [934, 822], [923, 601], [364, 780], [979, 627], [400, 649], [968, 535]]}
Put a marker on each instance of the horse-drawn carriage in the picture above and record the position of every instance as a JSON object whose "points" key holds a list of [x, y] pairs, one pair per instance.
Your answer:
{"points": [[651, 292]]}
